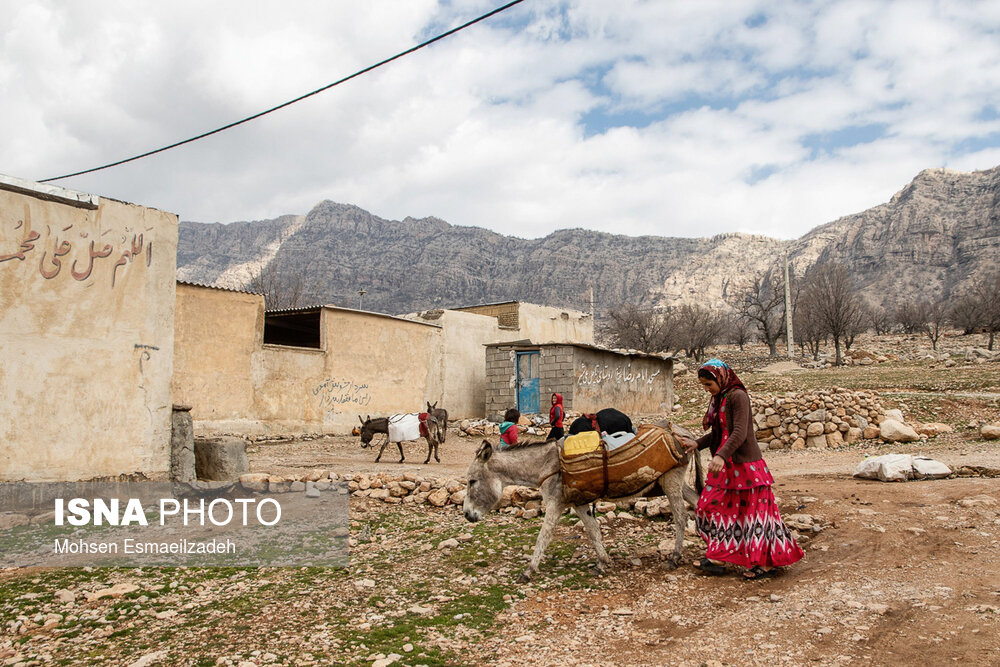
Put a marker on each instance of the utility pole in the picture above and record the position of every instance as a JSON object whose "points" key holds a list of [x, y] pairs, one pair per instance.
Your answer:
{"points": [[361, 295], [788, 309], [591, 303]]}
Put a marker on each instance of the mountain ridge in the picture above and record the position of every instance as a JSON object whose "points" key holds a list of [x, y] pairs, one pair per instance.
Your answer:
{"points": [[928, 241]]}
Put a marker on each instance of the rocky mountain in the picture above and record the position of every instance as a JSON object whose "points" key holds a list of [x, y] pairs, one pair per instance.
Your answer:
{"points": [[930, 240]]}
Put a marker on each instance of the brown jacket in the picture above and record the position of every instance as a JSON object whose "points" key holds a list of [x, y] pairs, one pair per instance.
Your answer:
{"points": [[742, 443]]}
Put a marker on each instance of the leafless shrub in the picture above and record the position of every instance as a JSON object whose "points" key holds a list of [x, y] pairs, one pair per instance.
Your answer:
{"points": [[280, 289]]}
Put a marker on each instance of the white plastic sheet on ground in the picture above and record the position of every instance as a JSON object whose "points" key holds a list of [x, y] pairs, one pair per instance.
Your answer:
{"points": [[901, 467]]}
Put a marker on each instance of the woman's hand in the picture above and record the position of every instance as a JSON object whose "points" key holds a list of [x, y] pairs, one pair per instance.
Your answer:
{"points": [[688, 444], [716, 464]]}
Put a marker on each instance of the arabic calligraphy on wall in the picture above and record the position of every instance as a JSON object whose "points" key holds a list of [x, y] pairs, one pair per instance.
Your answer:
{"points": [[72, 248], [333, 393], [620, 374]]}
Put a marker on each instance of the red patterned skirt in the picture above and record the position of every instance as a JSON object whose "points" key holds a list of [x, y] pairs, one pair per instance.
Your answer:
{"points": [[739, 519]]}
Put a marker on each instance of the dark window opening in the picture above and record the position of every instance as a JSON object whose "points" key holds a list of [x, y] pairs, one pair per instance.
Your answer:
{"points": [[294, 329]]}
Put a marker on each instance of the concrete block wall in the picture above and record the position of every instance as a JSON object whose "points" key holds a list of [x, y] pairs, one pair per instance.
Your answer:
{"points": [[556, 375], [500, 390]]}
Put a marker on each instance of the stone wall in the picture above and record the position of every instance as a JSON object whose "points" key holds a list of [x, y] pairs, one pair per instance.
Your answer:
{"points": [[819, 419]]}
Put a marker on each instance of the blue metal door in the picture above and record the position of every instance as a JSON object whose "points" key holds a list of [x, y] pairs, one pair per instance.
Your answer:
{"points": [[527, 383]]}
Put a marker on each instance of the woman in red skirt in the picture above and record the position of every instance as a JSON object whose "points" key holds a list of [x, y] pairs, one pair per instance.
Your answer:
{"points": [[737, 515]]}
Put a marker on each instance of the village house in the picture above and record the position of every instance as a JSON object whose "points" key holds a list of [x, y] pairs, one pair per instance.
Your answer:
{"points": [[524, 375]]}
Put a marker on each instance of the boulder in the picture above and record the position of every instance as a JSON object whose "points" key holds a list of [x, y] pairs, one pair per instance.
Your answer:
{"points": [[896, 415], [221, 459], [870, 432], [933, 429], [835, 439], [853, 435], [892, 430], [815, 428], [990, 431]]}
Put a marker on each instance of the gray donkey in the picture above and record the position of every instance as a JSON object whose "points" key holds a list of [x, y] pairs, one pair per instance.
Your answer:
{"points": [[441, 415], [537, 466], [369, 427]]}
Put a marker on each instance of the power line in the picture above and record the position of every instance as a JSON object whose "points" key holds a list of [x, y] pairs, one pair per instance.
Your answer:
{"points": [[297, 99]]}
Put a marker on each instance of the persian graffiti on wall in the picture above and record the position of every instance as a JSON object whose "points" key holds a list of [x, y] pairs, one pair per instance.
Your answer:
{"points": [[331, 394], [619, 374]]}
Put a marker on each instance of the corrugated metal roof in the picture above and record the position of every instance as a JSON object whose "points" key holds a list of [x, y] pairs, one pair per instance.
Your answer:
{"points": [[224, 289], [303, 309], [585, 346]]}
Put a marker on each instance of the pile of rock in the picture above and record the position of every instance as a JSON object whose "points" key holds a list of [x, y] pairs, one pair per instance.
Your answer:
{"points": [[825, 418], [481, 428], [478, 428], [978, 355], [408, 488]]}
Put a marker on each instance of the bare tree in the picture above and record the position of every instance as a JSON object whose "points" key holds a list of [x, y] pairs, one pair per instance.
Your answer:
{"points": [[280, 289], [762, 302], [638, 328], [836, 302], [809, 332], [880, 319], [986, 290], [934, 315], [740, 330], [697, 328], [909, 317], [967, 314]]}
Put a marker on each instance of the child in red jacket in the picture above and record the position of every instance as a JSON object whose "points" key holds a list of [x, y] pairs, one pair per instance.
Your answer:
{"points": [[556, 415]]}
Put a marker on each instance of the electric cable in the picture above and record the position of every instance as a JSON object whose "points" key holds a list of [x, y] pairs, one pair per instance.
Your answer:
{"points": [[297, 99]]}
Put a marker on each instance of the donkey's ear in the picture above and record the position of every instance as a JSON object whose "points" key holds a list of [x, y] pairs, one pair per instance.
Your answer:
{"points": [[361, 420], [433, 407], [429, 408], [485, 451]]}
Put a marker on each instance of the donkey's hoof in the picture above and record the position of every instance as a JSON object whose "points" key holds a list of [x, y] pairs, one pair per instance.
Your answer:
{"points": [[525, 577]]}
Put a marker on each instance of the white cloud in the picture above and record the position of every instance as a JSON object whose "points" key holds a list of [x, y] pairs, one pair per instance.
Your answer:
{"points": [[697, 114]]}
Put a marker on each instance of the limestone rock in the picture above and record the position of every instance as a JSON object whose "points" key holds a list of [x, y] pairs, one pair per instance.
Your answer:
{"points": [[892, 430], [816, 442], [990, 431], [895, 415], [438, 497]]}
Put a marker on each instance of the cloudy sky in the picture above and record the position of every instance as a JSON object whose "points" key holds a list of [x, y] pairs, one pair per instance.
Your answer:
{"points": [[678, 118]]}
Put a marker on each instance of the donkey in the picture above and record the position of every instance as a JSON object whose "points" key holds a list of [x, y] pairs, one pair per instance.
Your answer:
{"points": [[369, 427], [441, 415], [537, 466]]}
